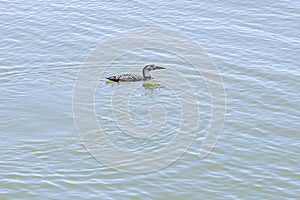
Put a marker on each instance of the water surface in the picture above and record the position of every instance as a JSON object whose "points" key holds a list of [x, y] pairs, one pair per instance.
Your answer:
{"points": [[255, 45]]}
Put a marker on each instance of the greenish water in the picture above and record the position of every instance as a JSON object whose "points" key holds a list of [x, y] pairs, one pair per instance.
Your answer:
{"points": [[255, 46]]}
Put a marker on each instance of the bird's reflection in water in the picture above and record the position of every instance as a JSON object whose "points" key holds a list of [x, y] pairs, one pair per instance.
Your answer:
{"points": [[151, 87], [148, 85]]}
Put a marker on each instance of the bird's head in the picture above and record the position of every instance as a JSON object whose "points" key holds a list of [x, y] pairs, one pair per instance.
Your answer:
{"points": [[152, 67]]}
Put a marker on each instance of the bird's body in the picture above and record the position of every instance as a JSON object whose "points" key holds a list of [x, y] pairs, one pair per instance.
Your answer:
{"points": [[126, 77], [133, 77]]}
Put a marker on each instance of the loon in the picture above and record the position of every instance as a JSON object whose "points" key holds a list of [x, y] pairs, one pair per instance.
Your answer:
{"points": [[133, 77]]}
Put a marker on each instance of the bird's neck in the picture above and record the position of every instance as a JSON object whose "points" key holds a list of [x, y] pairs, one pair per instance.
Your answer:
{"points": [[146, 74]]}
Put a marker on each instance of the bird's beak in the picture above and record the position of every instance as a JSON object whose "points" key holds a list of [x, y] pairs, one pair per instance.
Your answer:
{"points": [[158, 67]]}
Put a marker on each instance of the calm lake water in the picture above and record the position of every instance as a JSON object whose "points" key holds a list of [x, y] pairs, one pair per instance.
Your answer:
{"points": [[254, 44]]}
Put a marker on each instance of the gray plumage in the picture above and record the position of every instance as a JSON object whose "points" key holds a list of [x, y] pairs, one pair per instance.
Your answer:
{"points": [[133, 77]]}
